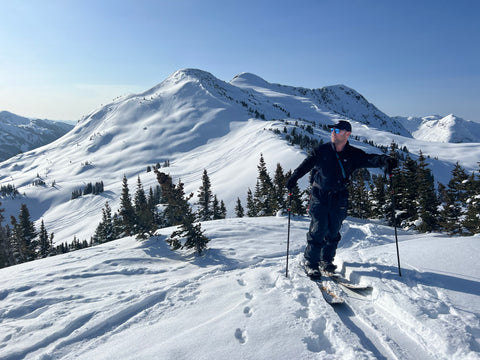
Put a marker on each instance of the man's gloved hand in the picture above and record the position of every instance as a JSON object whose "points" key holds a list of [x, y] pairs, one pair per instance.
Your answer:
{"points": [[390, 164], [291, 182]]}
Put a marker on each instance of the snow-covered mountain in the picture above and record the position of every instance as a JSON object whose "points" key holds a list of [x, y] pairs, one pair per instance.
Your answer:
{"points": [[442, 129], [197, 122], [19, 134], [131, 299]]}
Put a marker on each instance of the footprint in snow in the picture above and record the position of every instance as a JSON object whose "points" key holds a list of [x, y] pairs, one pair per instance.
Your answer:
{"points": [[241, 336]]}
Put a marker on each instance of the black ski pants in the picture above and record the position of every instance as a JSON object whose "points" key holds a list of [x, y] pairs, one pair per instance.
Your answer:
{"points": [[327, 211]]}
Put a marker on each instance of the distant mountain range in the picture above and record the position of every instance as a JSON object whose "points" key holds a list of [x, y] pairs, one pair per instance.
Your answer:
{"points": [[19, 134], [448, 129], [196, 122]]}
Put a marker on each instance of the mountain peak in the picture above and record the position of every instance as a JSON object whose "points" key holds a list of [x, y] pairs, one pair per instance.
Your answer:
{"points": [[248, 79]]}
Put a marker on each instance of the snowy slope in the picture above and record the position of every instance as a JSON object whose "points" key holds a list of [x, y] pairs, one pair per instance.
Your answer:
{"points": [[442, 129], [197, 122], [19, 134], [339, 101], [139, 300]]}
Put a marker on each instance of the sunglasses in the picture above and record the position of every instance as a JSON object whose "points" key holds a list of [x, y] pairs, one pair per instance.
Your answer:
{"points": [[337, 131]]}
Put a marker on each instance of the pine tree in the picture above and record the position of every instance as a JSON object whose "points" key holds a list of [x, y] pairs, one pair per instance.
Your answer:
{"points": [[173, 196], [279, 188], [264, 192], [380, 202], [215, 209], [297, 207], [6, 251], [472, 215], [44, 242], [427, 198], [143, 212], [359, 204], [192, 233], [27, 234], [454, 197], [179, 212], [127, 212], [239, 211], [223, 210], [105, 230], [205, 199], [251, 205], [406, 188]]}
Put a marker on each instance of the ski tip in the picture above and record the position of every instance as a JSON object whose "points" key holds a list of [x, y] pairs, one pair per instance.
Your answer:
{"points": [[330, 297]]}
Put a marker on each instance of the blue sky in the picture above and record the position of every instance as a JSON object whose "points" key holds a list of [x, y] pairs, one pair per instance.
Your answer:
{"points": [[61, 59]]}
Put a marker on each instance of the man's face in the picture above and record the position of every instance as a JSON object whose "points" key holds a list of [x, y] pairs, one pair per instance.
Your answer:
{"points": [[340, 136]]}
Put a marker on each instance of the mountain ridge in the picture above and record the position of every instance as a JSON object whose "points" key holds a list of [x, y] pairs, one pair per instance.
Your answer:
{"points": [[19, 134], [436, 128]]}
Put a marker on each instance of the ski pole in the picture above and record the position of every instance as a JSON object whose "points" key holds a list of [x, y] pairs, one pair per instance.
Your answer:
{"points": [[394, 219], [288, 231]]}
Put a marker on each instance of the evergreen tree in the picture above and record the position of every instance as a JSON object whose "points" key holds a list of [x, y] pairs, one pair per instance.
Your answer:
{"points": [[15, 239], [407, 191], [264, 192], [220, 211], [44, 241], [143, 212], [127, 211], [216, 209], [297, 207], [179, 212], [223, 210], [279, 188], [380, 202], [427, 198], [105, 230], [454, 197], [251, 205], [472, 215], [359, 205], [6, 251], [191, 232], [173, 196], [239, 211], [205, 199], [27, 234]]}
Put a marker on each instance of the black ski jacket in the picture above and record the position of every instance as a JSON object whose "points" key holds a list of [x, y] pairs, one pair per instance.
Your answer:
{"points": [[327, 175]]}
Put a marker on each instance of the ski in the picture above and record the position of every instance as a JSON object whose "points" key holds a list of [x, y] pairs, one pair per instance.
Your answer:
{"points": [[339, 279], [329, 293], [327, 286]]}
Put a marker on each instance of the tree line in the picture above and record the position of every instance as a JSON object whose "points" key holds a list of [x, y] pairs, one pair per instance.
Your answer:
{"points": [[452, 208]]}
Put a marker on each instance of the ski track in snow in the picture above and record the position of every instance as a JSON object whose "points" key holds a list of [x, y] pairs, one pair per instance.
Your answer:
{"points": [[139, 300]]}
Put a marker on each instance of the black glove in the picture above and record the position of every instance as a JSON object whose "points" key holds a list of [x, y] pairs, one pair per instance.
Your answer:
{"points": [[291, 182], [390, 164]]}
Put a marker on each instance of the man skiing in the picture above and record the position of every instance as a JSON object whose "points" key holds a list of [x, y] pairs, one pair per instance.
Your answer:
{"points": [[331, 166]]}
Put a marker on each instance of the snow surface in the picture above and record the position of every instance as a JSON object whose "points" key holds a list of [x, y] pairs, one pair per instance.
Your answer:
{"points": [[138, 300], [132, 299]]}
